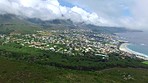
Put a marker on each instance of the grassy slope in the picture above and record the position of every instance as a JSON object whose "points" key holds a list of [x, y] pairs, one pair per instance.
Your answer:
{"points": [[11, 23], [20, 28], [145, 62], [20, 72]]}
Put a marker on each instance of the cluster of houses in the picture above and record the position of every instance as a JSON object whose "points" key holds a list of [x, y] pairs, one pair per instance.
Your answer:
{"points": [[72, 42]]}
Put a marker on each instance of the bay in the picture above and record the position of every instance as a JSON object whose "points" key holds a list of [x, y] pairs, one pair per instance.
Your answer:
{"points": [[138, 40]]}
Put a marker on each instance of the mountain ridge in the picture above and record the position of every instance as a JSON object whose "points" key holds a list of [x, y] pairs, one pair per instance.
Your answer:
{"points": [[10, 22]]}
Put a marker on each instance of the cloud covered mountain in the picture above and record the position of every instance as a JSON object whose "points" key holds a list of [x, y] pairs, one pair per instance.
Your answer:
{"points": [[13, 23], [51, 14], [49, 10], [131, 14]]}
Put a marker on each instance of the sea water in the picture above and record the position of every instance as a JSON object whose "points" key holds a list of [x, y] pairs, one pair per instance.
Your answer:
{"points": [[139, 48], [138, 40]]}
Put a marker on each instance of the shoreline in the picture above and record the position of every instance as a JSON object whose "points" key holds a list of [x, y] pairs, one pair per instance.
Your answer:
{"points": [[123, 47]]}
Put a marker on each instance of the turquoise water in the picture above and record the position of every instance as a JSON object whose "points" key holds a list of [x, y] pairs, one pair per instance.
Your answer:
{"points": [[139, 48], [138, 40]]}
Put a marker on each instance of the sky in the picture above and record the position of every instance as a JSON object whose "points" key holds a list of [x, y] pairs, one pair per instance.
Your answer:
{"points": [[125, 13]]}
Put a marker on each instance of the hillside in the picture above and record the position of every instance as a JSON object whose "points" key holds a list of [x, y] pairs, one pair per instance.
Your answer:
{"points": [[29, 65], [21, 72], [53, 24], [12, 23]]}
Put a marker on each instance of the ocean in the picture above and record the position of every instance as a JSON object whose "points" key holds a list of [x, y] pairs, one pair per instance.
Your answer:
{"points": [[138, 40]]}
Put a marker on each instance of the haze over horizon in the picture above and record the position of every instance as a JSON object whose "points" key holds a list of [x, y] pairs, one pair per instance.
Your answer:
{"points": [[131, 14]]}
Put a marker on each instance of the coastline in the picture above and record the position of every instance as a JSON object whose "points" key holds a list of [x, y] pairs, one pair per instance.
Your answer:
{"points": [[123, 47]]}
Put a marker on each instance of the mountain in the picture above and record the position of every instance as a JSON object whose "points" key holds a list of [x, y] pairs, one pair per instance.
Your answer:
{"points": [[53, 24], [106, 29], [12, 23], [68, 24]]}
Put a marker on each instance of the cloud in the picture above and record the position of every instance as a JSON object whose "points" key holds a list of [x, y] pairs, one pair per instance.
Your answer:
{"points": [[44, 9], [127, 13], [131, 13], [89, 18], [140, 13], [49, 9]]}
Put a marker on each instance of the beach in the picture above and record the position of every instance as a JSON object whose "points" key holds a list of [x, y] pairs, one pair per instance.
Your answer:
{"points": [[124, 47]]}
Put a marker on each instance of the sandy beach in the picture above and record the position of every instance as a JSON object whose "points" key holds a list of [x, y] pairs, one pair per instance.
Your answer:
{"points": [[123, 47]]}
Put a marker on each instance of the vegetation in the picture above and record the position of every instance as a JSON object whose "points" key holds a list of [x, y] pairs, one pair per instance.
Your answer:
{"points": [[145, 62], [21, 72], [11, 23], [7, 29]]}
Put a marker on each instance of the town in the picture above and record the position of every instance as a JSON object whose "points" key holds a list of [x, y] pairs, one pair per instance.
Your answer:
{"points": [[70, 42]]}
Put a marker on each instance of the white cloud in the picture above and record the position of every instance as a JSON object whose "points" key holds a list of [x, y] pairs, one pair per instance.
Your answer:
{"points": [[47, 10], [116, 11], [99, 12]]}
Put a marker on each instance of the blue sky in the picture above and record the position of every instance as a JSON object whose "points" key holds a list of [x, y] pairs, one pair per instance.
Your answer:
{"points": [[68, 4], [65, 3], [127, 12]]}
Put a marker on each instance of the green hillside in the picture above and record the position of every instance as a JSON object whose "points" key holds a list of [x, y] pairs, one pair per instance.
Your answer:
{"points": [[21, 72], [29, 65], [12, 23]]}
